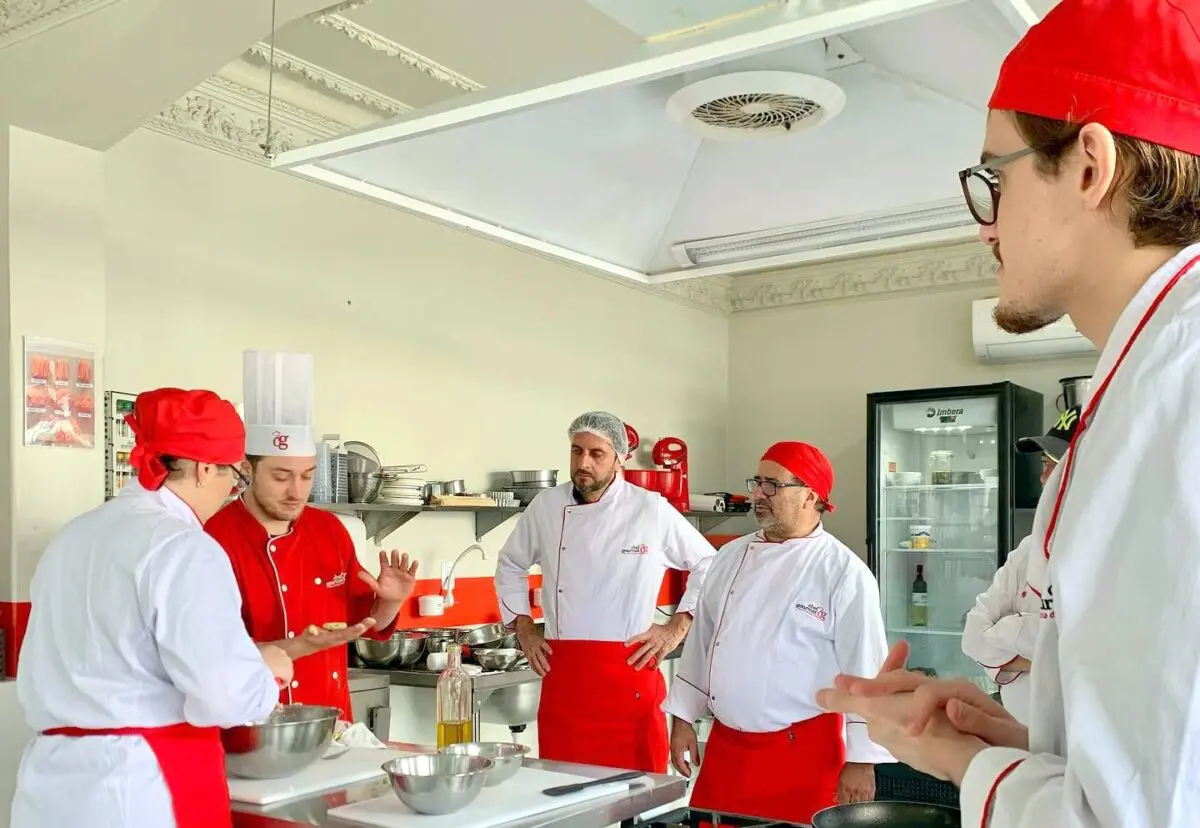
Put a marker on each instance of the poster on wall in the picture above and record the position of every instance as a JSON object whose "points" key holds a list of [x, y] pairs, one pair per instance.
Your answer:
{"points": [[60, 393]]}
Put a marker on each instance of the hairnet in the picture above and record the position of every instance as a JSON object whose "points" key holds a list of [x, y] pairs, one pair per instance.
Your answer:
{"points": [[602, 424]]}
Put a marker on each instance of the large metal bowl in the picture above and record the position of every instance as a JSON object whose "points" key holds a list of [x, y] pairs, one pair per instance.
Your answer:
{"points": [[888, 815], [290, 740], [487, 635], [507, 757], [437, 783], [402, 648]]}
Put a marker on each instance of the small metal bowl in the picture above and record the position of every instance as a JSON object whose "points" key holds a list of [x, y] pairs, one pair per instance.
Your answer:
{"points": [[507, 757], [403, 648], [437, 783], [496, 659], [291, 739]]}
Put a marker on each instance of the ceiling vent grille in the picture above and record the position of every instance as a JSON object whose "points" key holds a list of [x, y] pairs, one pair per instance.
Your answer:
{"points": [[741, 105]]}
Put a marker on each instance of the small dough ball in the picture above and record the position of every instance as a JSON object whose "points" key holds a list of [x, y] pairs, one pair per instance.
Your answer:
{"points": [[334, 625]]}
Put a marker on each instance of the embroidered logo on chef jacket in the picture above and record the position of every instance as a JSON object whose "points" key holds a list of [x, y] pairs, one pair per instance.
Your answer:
{"points": [[636, 549], [336, 581], [1047, 603], [816, 612]]}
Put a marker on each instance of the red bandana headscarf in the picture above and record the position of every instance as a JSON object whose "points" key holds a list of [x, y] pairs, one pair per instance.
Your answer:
{"points": [[808, 464], [1131, 65], [190, 425]]}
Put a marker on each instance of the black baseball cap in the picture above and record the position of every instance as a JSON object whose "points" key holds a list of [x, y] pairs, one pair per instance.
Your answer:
{"points": [[1055, 441]]}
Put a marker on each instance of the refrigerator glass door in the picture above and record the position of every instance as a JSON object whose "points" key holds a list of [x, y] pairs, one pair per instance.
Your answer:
{"points": [[936, 532]]}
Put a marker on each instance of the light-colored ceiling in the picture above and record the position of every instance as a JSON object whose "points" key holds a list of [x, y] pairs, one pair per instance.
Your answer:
{"points": [[600, 170]]}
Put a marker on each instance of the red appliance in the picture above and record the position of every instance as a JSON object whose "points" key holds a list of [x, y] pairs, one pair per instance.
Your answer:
{"points": [[671, 481]]}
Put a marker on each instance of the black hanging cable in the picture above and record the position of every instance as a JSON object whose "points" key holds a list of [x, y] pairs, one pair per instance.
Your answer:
{"points": [[268, 153]]}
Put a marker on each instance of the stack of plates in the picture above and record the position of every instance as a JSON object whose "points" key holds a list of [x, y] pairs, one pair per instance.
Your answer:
{"points": [[401, 489]]}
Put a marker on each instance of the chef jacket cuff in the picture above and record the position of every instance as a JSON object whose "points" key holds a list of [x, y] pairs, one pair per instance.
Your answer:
{"points": [[860, 748], [685, 701], [514, 604], [984, 775]]}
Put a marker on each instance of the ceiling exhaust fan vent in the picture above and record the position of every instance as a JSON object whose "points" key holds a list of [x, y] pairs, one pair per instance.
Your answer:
{"points": [[742, 105]]}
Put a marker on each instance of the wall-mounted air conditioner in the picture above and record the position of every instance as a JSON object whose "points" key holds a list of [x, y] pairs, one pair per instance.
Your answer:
{"points": [[995, 345]]}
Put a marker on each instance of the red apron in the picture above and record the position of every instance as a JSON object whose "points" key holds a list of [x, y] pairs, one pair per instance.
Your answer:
{"points": [[787, 775], [192, 762], [598, 710]]}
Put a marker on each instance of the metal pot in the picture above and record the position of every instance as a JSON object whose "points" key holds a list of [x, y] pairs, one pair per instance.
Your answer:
{"points": [[536, 476], [488, 635], [1074, 390], [454, 487], [888, 815]]}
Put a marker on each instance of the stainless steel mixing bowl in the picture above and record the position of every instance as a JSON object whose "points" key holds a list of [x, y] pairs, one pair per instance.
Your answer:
{"points": [[290, 740], [403, 648], [496, 659], [507, 757], [485, 635], [437, 783]]}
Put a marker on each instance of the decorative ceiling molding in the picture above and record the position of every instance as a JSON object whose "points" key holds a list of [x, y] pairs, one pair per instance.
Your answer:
{"points": [[931, 268], [331, 81], [377, 42], [20, 19], [229, 117]]}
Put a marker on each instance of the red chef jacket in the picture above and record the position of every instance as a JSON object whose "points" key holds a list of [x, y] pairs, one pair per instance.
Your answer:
{"points": [[307, 576]]}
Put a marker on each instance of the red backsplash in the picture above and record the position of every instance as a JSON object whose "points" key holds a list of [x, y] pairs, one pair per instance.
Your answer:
{"points": [[474, 603], [14, 618]]}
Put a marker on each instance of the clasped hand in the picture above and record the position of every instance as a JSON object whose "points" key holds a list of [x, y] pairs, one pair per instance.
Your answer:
{"points": [[934, 725]]}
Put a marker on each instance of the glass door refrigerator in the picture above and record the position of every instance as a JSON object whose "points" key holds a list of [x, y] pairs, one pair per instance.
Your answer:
{"points": [[948, 498]]}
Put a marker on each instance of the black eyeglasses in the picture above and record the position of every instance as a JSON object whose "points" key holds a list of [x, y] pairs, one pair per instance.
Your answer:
{"points": [[770, 488], [243, 482], [981, 187]]}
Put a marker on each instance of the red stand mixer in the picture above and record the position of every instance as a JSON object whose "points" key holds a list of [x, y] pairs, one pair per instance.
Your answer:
{"points": [[671, 481]]}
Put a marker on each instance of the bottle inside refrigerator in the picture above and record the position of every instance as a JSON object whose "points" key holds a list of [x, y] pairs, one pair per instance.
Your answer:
{"points": [[947, 492]]}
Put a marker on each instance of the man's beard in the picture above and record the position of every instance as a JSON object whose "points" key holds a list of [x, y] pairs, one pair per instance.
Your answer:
{"points": [[596, 484], [276, 511], [1022, 321]]}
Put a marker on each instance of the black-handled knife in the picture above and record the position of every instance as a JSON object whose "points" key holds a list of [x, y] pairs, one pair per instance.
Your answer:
{"points": [[563, 790]]}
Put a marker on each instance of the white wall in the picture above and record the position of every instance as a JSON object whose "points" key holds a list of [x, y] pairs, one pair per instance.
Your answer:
{"points": [[803, 373], [433, 345]]}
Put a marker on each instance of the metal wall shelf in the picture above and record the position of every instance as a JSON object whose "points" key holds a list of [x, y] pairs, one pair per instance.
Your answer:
{"points": [[382, 519]]}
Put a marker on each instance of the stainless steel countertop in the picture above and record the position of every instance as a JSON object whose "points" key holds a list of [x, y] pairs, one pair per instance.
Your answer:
{"points": [[654, 791]]}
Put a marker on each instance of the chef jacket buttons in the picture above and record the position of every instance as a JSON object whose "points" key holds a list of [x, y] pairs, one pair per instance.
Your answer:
{"points": [[317, 581], [335, 675], [283, 587], [271, 548], [295, 684], [291, 634]]}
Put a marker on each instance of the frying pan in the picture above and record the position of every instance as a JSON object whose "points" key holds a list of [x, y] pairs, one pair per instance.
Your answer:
{"points": [[888, 815]]}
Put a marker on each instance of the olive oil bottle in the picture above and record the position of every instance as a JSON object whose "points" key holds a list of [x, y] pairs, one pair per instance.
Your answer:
{"points": [[455, 701]]}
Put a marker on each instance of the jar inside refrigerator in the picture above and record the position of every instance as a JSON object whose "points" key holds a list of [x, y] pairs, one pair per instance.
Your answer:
{"points": [[941, 467]]}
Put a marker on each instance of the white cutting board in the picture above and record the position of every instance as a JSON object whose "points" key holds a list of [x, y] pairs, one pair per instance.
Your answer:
{"points": [[356, 765], [516, 798]]}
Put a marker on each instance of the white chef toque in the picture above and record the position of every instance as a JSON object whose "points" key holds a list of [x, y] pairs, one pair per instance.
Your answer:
{"points": [[278, 391]]}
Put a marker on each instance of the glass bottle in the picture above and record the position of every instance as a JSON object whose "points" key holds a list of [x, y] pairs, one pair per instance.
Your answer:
{"points": [[918, 606], [455, 701]]}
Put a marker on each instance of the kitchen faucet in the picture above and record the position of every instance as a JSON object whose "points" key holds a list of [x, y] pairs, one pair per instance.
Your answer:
{"points": [[448, 581]]}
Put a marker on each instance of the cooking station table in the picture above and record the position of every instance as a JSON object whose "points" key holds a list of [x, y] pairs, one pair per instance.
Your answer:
{"points": [[652, 791]]}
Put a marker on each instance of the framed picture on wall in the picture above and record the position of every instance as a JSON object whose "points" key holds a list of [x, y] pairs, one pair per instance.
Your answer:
{"points": [[60, 393]]}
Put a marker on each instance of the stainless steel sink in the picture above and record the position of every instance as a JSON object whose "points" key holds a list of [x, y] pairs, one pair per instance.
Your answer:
{"points": [[513, 705]]}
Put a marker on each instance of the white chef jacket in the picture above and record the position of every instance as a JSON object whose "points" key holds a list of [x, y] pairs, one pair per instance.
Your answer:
{"points": [[1114, 728], [602, 563], [776, 623], [1005, 620], [136, 622]]}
